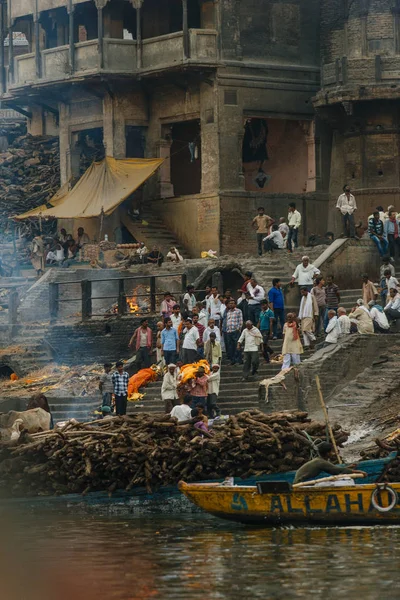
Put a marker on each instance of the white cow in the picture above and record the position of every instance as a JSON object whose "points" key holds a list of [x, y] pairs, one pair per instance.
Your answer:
{"points": [[32, 421]]}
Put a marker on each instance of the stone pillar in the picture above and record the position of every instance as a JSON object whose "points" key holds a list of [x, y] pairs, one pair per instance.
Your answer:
{"points": [[209, 138], [186, 40], [164, 151], [396, 26], [100, 4], [3, 82], [38, 56], [364, 24], [231, 132], [137, 5], [108, 124], [65, 150], [10, 53], [71, 37], [113, 127], [308, 128]]}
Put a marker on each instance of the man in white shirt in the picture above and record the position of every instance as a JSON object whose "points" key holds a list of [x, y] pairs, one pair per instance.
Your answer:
{"points": [[190, 344], [252, 339], [176, 316], [211, 328], [346, 204], [214, 380], [304, 274], [343, 321], [273, 241], [392, 308], [294, 222], [332, 330], [141, 252], [214, 305], [203, 314], [379, 319], [183, 412], [283, 228], [189, 299], [169, 392], [257, 295]]}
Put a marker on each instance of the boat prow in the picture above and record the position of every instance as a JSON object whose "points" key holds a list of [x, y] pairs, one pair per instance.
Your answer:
{"points": [[279, 503]]}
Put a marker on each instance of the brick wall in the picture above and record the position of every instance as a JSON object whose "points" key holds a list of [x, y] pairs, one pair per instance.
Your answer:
{"points": [[98, 340]]}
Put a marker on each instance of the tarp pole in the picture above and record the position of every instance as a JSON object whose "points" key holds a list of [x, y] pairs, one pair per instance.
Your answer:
{"points": [[101, 224]]}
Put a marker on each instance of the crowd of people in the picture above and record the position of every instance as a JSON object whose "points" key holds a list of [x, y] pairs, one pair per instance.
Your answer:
{"points": [[191, 330], [58, 251], [62, 249]]}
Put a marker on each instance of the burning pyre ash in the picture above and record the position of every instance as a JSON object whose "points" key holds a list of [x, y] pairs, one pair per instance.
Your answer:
{"points": [[137, 301]]}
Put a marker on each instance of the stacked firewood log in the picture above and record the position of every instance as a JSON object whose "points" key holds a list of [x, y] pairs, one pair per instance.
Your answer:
{"points": [[29, 175], [382, 449], [152, 450]]}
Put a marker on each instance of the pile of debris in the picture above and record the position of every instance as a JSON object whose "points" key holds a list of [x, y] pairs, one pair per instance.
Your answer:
{"points": [[29, 177], [154, 450]]}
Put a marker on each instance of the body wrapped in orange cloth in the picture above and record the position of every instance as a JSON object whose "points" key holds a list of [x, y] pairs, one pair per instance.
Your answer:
{"points": [[189, 371], [141, 379]]}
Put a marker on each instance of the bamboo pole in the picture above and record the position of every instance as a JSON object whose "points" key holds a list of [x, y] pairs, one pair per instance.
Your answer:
{"points": [[331, 478], [321, 399]]}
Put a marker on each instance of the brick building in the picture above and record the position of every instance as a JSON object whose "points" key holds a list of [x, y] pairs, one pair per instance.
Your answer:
{"points": [[359, 99], [223, 89]]}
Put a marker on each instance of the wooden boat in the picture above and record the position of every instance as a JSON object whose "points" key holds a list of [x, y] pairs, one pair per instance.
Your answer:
{"points": [[280, 503], [166, 499]]}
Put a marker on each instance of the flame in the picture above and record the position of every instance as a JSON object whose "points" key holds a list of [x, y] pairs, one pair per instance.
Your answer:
{"points": [[132, 305]]}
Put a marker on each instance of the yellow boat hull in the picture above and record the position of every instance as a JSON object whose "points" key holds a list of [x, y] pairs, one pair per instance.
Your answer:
{"points": [[344, 505]]}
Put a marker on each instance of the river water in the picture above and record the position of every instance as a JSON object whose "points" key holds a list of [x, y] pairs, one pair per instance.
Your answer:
{"points": [[67, 557]]}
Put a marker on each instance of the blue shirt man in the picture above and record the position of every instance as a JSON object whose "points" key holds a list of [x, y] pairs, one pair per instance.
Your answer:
{"points": [[277, 305], [169, 343]]}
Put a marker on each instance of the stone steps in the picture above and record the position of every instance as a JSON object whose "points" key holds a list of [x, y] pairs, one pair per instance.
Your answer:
{"points": [[154, 234]]}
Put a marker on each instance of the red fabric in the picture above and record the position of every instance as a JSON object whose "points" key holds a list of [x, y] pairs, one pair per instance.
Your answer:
{"points": [[295, 330], [201, 329]]}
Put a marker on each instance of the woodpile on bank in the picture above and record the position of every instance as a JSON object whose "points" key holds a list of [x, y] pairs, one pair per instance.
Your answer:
{"points": [[29, 175], [382, 449], [154, 450]]}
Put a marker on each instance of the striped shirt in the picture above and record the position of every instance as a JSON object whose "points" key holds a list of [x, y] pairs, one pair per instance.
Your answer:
{"points": [[331, 293]]}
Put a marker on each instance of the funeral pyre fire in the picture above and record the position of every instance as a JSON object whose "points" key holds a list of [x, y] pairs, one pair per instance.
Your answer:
{"points": [[137, 301]]}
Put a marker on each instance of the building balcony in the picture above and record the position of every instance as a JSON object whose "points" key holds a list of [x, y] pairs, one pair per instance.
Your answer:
{"points": [[119, 57], [362, 78]]}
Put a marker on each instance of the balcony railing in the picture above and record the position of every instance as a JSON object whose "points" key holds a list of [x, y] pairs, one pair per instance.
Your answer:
{"points": [[119, 56]]}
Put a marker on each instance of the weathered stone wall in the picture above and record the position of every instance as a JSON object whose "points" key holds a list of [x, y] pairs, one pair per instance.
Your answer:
{"points": [[335, 370], [350, 261], [98, 340], [239, 208]]}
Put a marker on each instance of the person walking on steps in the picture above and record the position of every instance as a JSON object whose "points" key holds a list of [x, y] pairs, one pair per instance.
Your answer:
{"points": [[251, 339], [261, 223], [292, 347], [294, 222], [346, 205]]}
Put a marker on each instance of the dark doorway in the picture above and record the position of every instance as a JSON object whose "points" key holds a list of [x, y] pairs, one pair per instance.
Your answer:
{"points": [[87, 146], [135, 141], [186, 158], [5, 372]]}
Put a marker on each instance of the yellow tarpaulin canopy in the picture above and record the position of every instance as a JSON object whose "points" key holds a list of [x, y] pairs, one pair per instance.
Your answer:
{"points": [[101, 189]]}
